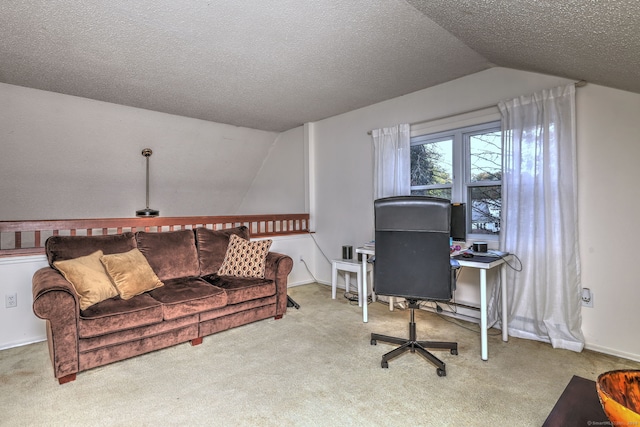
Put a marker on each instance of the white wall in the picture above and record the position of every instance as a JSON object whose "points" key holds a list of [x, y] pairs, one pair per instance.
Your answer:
{"points": [[279, 182], [297, 246], [608, 129], [609, 208], [18, 325], [69, 157]]}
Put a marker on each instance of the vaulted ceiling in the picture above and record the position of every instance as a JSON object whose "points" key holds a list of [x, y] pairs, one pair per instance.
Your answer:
{"points": [[276, 64]]}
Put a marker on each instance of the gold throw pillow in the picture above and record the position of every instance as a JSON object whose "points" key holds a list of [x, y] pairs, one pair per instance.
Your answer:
{"points": [[131, 273], [245, 258], [88, 277]]}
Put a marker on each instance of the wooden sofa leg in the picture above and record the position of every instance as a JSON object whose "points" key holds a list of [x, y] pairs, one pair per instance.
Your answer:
{"points": [[196, 341], [278, 316], [67, 379]]}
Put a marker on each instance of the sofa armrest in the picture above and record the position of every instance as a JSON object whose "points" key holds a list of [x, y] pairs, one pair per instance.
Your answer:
{"points": [[55, 300], [277, 268]]}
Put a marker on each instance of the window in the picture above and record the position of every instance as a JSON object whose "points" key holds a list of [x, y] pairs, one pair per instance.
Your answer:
{"points": [[463, 165]]}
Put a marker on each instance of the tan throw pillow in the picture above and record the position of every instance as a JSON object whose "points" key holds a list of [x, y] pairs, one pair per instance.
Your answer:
{"points": [[130, 273], [88, 277], [245, 258]]}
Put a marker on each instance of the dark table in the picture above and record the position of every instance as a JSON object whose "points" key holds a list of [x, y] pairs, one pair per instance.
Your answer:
{"points": [[577, 406]]}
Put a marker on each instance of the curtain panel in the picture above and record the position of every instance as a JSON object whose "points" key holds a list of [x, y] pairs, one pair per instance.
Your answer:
{"points": [[540, 220], [392, 168], [392, 162]]}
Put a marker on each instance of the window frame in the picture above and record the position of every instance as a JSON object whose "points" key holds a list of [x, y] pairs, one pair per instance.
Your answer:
{"points": [[459, 132]]}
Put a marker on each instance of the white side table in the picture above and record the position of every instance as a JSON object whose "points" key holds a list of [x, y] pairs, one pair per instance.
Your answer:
{"points": [[366, 252], [348, 266]]}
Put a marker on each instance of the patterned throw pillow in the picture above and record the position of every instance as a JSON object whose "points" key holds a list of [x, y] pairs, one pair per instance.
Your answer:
{"points": [[245, 258]]}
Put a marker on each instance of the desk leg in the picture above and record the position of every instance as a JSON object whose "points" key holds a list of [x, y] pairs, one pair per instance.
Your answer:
{"points": [[364, 292], [483, 314], [505, 314]]}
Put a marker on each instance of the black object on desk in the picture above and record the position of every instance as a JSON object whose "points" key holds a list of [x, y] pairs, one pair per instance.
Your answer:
{"points": [[485, 259], [577, 406]]}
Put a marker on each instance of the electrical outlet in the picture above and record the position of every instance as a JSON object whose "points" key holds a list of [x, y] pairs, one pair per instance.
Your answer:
{"points": [[11, 300], [587, 297]]}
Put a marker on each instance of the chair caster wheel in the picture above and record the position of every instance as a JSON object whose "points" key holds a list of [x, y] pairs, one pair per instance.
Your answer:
{"points": [[374, 342], [441, 372], [384, 364], [454, 352]]}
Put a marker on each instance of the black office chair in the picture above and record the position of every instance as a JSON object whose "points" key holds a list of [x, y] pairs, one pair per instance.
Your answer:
{"points": [[412, 261]]}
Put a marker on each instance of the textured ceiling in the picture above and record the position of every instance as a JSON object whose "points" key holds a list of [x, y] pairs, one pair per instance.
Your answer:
{"points": [[594, 40], [276, 64]]}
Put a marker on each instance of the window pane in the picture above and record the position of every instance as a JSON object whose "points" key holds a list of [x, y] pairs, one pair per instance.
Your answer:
{"points": [[432, 163], [445, 193], [485, 150], [486, 205]]}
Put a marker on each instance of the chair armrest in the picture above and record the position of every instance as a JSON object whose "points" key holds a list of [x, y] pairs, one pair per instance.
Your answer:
{"points": [[277, 268]]}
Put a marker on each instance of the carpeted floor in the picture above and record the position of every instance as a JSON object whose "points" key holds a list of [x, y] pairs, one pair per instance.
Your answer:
{"points": [[314, 367]]}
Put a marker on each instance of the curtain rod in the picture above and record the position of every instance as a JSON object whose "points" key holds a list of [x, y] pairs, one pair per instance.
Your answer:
{"points": [[579, 83]]}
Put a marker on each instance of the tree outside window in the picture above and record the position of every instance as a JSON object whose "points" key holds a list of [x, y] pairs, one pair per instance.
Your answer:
{"points": [[465, 166]]}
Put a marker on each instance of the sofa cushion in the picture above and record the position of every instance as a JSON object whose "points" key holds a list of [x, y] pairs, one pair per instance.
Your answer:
{"points": [[212, 246], [59, 248], [130, 273], [188, 295], [241, 289], [116, 314], [88, 277], [245, 258], [171, 254]]}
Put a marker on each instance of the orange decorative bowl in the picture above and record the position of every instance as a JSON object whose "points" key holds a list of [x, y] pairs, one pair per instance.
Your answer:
{"points": [[619, 393]]}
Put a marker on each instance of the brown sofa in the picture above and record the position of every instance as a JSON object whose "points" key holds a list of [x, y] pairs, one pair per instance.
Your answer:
{"points": [[193, 302]]}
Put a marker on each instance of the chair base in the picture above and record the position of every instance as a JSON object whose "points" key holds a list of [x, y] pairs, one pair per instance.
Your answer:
{"points": [[413, 345]]}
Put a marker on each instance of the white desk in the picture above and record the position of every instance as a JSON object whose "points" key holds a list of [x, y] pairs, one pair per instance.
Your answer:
{"points": [[365, 285], [466, 262]]}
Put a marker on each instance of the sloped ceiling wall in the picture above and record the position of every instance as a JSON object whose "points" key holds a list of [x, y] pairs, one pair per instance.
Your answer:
{"points": [[276, 64]]}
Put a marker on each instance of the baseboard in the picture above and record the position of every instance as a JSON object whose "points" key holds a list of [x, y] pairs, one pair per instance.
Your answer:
{"points": [[306, 282], [612, 352], [7, 346]]}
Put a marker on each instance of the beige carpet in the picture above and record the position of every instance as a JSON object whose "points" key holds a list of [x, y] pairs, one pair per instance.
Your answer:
{"points": [[314, 367]]}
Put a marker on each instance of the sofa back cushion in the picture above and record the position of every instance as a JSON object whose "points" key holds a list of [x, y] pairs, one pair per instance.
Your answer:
{"points": [[60, 248], [212, 246], [171, 254]]}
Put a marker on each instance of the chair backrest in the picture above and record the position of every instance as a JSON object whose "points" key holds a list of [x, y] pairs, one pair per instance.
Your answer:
{"points": [[412, 248]]}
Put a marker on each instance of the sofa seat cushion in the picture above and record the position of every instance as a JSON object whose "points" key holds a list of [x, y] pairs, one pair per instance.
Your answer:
{"points": [[116, 314], [240, 289], [188, 295]]}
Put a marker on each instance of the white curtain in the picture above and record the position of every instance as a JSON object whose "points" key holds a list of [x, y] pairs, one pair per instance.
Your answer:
{"points": [[392, 163], [539, 218], [392, 167]]}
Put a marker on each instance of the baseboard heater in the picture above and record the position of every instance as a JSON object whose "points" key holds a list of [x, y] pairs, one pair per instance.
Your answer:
{"points": [[433, 309]]}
